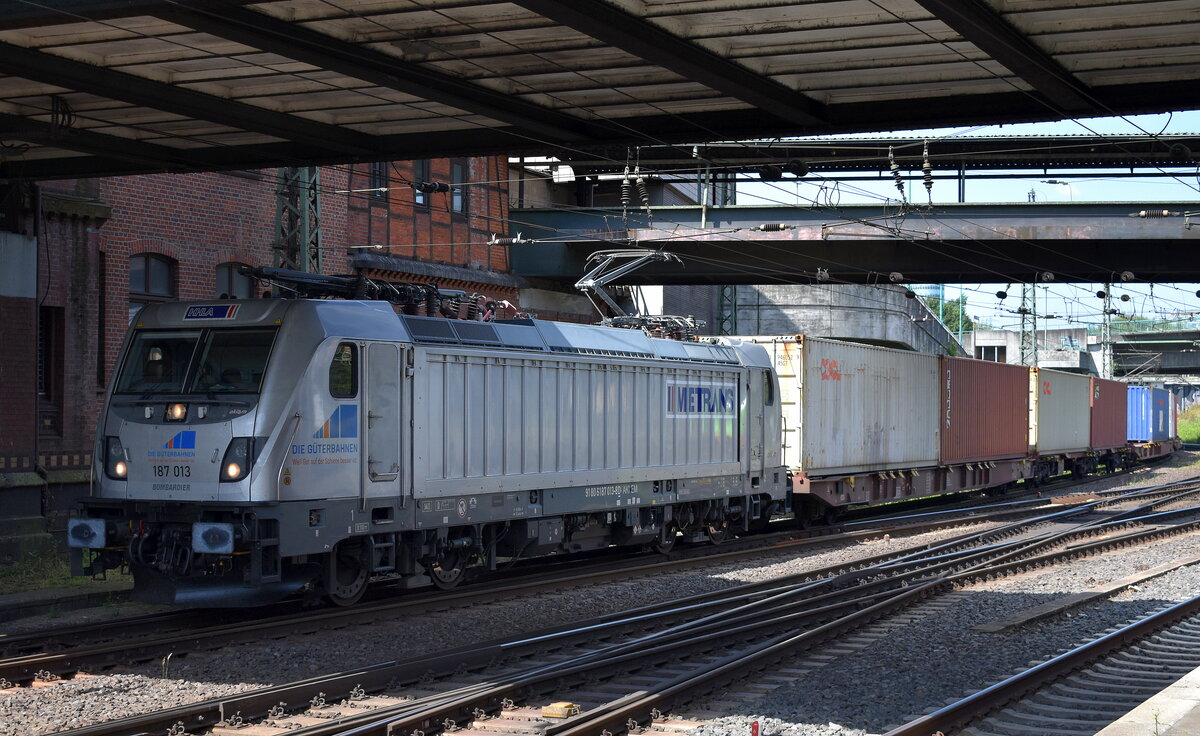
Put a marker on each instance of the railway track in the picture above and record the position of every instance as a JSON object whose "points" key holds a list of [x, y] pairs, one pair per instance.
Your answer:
{"points": [[47, 656], [625, 670], [1084, 690], [48, 664], [60, 652]]}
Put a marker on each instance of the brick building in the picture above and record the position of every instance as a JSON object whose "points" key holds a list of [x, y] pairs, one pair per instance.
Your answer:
{"points": [[80, 257]]}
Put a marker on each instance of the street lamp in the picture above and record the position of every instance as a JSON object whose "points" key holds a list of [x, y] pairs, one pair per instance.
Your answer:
{"points": [[1067, 184]]}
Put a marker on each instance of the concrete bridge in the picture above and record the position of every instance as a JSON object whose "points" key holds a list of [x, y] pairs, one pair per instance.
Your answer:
{"points": [[1173, 352], [1081, 242]]}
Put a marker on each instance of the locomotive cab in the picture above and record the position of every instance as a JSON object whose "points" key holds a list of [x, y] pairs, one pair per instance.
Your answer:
{"points": [[181, 450], [186, 401], [230, 423]]}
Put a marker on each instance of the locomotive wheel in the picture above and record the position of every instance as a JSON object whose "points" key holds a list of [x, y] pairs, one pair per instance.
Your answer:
{"points": [[666, 540], [347, 576], [718, 531], [449, 569]]}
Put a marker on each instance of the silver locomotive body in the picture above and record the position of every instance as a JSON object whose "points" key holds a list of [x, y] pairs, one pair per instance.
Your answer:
{"points": [[253, 449]]}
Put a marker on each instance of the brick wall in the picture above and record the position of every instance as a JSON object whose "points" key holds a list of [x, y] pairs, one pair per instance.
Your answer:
{"points": [[433, 232], [18, 386]]}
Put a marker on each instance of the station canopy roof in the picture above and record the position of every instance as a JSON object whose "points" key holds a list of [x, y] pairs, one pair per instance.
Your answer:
{"points": [[101, 87]]}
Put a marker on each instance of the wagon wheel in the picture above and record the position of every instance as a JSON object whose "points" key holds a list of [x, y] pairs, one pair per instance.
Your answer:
{"points": [[832, 516], [449, 569], [348, 573]]}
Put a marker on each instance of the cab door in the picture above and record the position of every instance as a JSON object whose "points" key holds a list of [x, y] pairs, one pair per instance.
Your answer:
{"points": [[381, 435], [756, 415]]}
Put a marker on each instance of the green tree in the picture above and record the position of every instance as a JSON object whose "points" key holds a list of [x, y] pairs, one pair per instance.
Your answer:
{"points": [[950, 311]]}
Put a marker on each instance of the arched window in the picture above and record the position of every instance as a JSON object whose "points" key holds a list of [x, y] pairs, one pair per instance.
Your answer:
{"points": [[151, 279], [233, 285]]}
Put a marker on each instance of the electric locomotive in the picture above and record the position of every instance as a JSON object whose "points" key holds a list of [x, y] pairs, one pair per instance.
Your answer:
{"points": [[258, 449]]}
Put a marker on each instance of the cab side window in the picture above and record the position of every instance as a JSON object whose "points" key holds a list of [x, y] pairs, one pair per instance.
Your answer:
{"points": [[343, 371], [768, 389]]}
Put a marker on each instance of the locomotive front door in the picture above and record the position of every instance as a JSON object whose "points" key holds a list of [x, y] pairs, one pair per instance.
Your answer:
{"points": [[381, 470]]}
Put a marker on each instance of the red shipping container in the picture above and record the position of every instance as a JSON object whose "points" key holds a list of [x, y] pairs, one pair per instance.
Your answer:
{"points": [[984, 410], [1110, 412]]}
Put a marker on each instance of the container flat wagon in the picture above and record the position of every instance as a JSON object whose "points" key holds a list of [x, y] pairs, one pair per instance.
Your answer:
{"points": [[864, 424]]}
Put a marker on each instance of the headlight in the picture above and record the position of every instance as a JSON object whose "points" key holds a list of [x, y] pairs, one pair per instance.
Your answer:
{"points": [[85, 533], [212, 538], [115, 466], [239, 457], [176, 412]]}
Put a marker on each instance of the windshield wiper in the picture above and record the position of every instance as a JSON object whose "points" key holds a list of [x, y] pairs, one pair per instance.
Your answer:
{"points": [[151, 391]]}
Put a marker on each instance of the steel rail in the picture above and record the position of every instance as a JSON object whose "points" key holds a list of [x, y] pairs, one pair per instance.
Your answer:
{"points": [[747, 612], [459, 704], [24, 669], [77, 636], [977, 705], [254, 705], [631, 711], [32, 656]]}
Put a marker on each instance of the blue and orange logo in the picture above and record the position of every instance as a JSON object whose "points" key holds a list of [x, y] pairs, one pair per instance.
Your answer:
{"points": [[341, 424], [185, 440]]}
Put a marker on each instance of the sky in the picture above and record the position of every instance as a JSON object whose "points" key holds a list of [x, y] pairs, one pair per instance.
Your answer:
{"points": [[1075, 304]]}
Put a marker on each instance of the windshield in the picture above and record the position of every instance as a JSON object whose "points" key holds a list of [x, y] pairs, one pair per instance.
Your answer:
{"points": [[195, 361], [157, 362], [232, 361]]}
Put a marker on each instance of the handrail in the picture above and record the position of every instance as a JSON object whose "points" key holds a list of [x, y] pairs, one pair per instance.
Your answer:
{"points": [[283, 461]]}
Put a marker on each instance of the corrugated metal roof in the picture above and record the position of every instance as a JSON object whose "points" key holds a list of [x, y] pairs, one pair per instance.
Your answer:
{"points": [[122, 86]]}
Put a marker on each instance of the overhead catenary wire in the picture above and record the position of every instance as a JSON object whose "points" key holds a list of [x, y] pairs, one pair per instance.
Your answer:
{"points": [[1039, 99]]}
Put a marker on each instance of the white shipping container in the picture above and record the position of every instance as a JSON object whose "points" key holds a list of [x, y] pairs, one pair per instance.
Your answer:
{"points": [[1059, 410], [849, 407]]}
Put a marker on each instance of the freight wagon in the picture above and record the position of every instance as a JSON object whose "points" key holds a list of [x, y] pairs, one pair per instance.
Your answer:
{"points": [[865, 424]]}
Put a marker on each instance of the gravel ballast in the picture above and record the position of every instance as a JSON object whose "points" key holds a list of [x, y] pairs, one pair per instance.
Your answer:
{"points": [[923, 667], [916, 669]]}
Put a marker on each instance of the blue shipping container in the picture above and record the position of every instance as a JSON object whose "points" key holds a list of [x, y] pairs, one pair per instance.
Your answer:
{"points": [[1149, 414]]}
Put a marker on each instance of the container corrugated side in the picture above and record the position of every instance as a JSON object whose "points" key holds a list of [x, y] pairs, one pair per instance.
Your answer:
{"points": [[1110, 412], [984, 410], [1138, 421], [850, 408], [1160, 415], [1062, 411]]}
